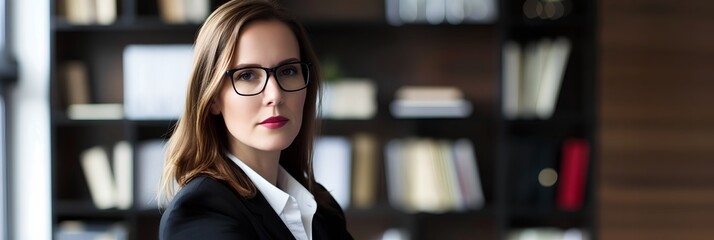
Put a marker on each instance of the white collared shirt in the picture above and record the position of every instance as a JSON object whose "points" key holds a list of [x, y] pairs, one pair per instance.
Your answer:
{"points": [[291, 201]]}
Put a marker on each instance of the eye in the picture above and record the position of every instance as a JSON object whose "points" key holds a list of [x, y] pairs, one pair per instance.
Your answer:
{"points": [[288, 71], [246, 75]]}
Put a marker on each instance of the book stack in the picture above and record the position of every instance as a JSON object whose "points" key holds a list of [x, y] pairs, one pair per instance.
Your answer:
{"points": [[349, 99], [332, 164], [155, 80], [184, 11], [532, 77], [75, 230], [83, 12], [109, 187], [150, 157], [556, 9], [428, 175], [545, 179], [364, 171], [574, 172], [547, 233], [77, 97], [430, 102], [347, 167], [534, 173], [439, 11]]}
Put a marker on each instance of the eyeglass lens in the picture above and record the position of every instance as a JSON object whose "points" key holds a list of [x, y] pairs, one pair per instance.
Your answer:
{"points": [[252, 80]]}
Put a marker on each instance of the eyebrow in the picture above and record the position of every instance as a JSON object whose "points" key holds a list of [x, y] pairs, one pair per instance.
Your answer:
{"points": [[245, 65]]}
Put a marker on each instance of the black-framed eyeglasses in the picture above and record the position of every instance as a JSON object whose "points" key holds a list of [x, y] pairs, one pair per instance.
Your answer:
{"points": [[250, 81]]}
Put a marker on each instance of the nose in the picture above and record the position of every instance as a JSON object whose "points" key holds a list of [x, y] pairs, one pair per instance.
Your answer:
{"points": [[273, 94]]}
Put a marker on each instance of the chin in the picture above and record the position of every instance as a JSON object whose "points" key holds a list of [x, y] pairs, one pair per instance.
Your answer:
{"points": [[270, 145]]}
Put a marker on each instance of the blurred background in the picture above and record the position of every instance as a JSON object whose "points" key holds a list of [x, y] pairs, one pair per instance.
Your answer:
{"points": [[442, 119]]}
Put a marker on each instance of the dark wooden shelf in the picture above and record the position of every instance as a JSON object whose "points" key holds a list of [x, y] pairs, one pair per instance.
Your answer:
{"points": [[466, 56], [85, 208], [154, 123], [138, 24], [539, 213], [59, 118]]}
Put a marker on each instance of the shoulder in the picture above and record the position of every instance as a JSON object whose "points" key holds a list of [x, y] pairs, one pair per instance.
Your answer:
{"points": [[205, 207], [203, 192], [329, 218], [202, 186], [326, 200]]}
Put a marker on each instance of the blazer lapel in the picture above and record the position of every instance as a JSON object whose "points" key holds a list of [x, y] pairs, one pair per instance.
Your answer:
{"points": [[272, 224], [322, 224]]}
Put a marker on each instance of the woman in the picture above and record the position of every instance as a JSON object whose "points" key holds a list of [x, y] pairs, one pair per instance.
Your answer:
{"points": [[241, 152]]}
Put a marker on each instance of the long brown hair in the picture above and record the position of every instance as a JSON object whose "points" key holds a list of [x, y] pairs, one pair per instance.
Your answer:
{"points": [[200, 138]]}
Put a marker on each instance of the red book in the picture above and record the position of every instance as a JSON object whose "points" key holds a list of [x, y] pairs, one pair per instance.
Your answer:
{"points": [[573, 174]]}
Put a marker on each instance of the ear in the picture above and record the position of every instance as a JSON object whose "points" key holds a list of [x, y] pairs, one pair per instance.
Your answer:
{"points": [[215, 106]]}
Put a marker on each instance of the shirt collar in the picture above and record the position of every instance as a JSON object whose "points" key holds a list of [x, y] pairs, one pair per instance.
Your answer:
{"points": [[294, 188], [276, 198]]}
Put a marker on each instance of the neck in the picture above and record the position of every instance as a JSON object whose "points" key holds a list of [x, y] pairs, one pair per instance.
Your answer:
{"points": [[264, 163]]}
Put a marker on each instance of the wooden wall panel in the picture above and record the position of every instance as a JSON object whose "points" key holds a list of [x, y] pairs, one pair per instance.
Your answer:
{"points": [[657, 119]]}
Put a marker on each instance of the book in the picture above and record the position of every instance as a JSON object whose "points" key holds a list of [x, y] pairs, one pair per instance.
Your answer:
{"points": [[171, 11], [449, 177], [349, 99], [468, 175], [392, 8], [455, 11], [124, 174], [429, 93], [84, 12], [395, 172], [432, 175], [106, 11], [437, 11], [430, 102], [156, 80], [511, 80], [95, 111], [76, 230], [196, 11], [535, 175], [480, 11], [80, 12], [395, 234], [364, 183], [552, 77], [546, 175], [545, 233], [150, 157], [423, 186], [574, 171], [332, 165], [532, 77], [184, 11], [75, 78], [99, 177], [535, 56], [411, 11], [430, 109]]}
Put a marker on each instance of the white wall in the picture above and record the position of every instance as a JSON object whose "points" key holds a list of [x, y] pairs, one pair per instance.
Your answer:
{"points": [[29, 138]]}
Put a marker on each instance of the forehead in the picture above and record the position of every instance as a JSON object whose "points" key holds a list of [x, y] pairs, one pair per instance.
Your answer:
{"points": [[266, 43]]}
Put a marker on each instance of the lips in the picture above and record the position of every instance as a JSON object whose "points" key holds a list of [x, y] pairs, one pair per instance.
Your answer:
{"points": [[274, 122]]}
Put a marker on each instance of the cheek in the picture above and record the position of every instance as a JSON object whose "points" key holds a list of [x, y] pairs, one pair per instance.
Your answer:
{"points": [[299, 103], [238, 111]]}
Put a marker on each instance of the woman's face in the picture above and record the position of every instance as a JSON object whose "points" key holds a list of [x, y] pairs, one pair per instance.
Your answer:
{"points": [[268, 121]]}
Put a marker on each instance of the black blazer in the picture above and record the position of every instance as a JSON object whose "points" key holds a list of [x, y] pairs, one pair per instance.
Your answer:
{"points": [[209, 209]]}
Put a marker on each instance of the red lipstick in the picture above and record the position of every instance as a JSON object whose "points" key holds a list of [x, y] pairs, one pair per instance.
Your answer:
{"points": [[274, 122]]}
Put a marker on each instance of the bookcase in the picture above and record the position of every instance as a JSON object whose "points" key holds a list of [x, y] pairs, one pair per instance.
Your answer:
{"points": [[511, 152]]}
